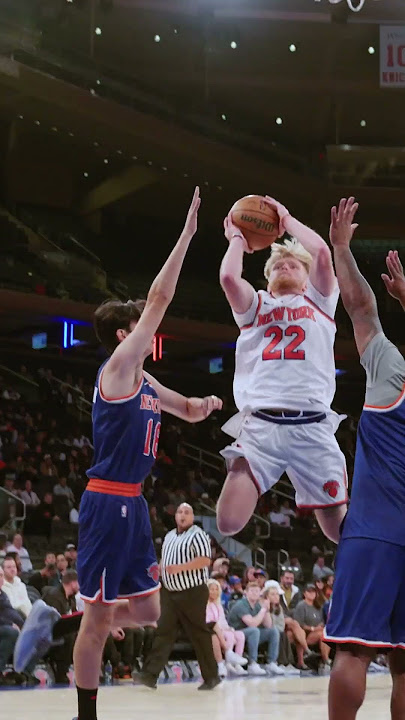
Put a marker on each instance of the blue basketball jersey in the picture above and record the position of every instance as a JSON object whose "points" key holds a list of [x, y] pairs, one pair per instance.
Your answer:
{"points": [[125, 434], [377, 506]]}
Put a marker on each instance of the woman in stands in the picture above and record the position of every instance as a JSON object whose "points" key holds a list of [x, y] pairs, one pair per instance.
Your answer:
{"points": [[232, 642]]}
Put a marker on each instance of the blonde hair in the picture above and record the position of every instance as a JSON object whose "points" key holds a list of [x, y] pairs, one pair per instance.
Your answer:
{"points": [[210, 582], [288, 247]]}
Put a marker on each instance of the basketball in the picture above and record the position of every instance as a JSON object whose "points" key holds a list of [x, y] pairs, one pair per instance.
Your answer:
{"points": [[258, 221]]}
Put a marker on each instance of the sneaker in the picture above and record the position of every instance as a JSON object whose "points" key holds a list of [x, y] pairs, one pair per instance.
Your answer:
{"points": [[144, 679], [210, 684], [291, 670], [255, 669], [35, 638], [232, 657], [222, 669], [236, 669], [274, 669]]}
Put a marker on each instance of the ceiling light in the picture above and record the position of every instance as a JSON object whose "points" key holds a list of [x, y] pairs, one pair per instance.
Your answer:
{"points": [[37, 122], [292, 48], [157, 38], [105, 161], [371, 50], [92, 91], [223, 116], [175, 31], [279, 121], [363, 123], [86, 174], [234, 45], [21, 117], [98, 82], [98, 31]]}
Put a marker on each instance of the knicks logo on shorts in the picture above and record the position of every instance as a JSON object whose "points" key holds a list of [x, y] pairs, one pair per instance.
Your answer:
{"points": [[124, 511], [153, 572], [332, 488]]}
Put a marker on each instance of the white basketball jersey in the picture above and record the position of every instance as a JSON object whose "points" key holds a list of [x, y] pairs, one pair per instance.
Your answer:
{"points": [[284, 353]]}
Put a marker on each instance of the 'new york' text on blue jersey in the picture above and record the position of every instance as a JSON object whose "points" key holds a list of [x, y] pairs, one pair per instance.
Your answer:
{"points": [[125, 433]]}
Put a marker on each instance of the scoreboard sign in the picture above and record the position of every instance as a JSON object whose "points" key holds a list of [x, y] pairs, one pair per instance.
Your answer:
{"points": [[392, 56]]}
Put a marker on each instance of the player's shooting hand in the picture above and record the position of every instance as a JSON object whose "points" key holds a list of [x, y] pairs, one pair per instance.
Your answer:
{"points": [[281, 210], [395, 281], [210, 404], [190, 227], [342, 226], [232, 231]]}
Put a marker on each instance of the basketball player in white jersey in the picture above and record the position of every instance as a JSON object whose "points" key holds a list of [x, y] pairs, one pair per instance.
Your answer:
{"points": [[284, 379]]}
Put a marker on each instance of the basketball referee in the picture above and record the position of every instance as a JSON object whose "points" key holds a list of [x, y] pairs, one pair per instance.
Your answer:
{"points": [[186, 556]]}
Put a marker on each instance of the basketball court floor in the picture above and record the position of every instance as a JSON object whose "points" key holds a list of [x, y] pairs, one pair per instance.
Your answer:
{"points": [[250, 698]]}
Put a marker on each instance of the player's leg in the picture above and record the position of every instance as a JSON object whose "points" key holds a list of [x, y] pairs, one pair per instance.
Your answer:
{"points": [[347, 685], [317, 469], [87, 655], [396, 660], [330, 521], [138, 611], [238, 498]]}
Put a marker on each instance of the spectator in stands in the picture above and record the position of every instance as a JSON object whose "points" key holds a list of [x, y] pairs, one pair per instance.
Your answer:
{"points": [[320, 598], [225, 588], [320, 569], [47, 467], [63, 599], [294, 632], [260, 577], [11, 622], [61, 566], [297, 569], [277, 517], [17, 546], [286, 509], [291, 595], [159, 529], [63, 489], [328, 587], [221, 566], [43, 578], [15, 588], [3, 546], [28, 496], [45, 515], [235, 583], [252, 616], [272, 594], [71, 555], [311, 620], [232, 642]]}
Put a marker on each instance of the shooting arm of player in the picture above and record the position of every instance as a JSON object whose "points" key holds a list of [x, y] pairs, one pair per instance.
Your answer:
{"points": [[357, 295], [196, 564], [189, 409], [238, 291], [321, 274], [395, 281], [127, 359]]}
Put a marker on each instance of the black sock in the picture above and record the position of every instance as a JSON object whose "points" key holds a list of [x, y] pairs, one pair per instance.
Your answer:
{"points": [[87, 700]]}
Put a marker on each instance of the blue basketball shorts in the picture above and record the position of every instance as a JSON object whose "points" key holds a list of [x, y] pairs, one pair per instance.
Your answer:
{"points": [[116, 558], [367, 606]]}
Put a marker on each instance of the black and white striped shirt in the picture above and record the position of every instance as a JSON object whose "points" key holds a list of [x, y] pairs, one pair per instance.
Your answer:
{"points": [[179, 548]]}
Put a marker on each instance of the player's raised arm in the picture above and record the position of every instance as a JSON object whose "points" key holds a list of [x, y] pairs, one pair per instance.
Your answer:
{"points": [[357, 295], [190, 409], [238, 291], [321, 274], [128, 357], [395, 281]]}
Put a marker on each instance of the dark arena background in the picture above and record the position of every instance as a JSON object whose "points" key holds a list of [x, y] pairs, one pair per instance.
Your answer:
{"points": [[111, 112]]}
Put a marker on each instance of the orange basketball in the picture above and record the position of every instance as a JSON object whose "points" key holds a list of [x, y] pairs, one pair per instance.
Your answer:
{"points": [[257, 220]]}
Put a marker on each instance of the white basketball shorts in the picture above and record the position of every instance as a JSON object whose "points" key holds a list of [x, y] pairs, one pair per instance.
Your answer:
{"points": [[309, 454]]}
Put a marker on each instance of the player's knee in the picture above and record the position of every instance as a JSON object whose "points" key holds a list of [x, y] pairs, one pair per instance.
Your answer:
{"points": [[228, 523], [145, 611]]}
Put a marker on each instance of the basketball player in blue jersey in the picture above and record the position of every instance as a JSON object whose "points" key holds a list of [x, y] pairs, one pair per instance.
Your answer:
{"points": [[116, 563], [368, 605]]}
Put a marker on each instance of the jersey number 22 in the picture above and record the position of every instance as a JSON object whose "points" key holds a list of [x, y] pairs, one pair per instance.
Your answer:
{"points": [[291, 351]]}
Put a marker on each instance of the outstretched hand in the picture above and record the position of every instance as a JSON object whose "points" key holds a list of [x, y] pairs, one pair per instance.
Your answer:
{"points": [[395, 281], [342, 226], [232, 230], [281, 211], [190, 227]]}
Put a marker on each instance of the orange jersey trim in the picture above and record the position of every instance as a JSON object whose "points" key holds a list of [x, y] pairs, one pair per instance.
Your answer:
{"points": [[123, 397], [328, 317], [259, 304], [110, 487], [386, 407]]}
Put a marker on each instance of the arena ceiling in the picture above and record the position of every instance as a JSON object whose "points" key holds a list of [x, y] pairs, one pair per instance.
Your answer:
{"points": [[175, 92]]}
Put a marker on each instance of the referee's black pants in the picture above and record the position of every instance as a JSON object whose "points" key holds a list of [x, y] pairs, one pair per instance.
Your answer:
{"points": [[186, 608]]}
